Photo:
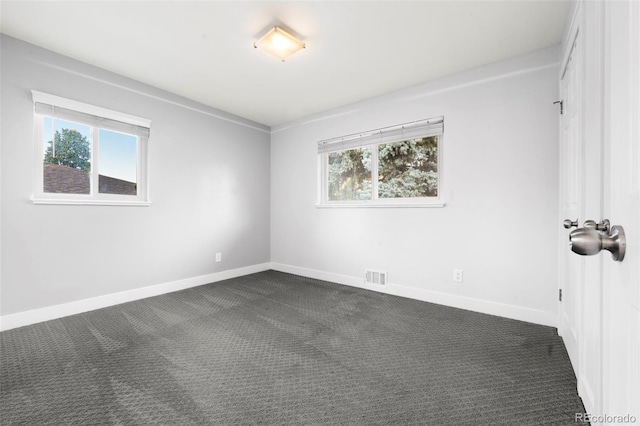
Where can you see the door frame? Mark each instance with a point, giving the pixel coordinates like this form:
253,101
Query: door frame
566,296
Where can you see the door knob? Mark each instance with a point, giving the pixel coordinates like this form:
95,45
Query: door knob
568,223
588,241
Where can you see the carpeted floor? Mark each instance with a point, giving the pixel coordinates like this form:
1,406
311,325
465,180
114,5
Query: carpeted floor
278,349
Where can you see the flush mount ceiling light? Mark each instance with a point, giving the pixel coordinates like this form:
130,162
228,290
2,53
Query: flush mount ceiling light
279,43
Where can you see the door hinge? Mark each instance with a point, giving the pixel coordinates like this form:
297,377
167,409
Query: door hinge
560,294
561,106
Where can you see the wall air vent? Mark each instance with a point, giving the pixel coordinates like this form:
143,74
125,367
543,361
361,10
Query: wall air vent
375,277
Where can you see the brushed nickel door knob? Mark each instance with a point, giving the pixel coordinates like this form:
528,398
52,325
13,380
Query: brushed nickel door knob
592,239
585,241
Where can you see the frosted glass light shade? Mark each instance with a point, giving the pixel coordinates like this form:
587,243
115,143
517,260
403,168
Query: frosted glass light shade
279,43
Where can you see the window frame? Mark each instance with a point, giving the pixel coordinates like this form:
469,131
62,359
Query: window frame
94,197
323,168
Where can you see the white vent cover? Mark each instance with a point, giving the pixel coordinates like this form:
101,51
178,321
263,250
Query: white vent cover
375,277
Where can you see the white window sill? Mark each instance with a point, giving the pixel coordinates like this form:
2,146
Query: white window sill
439,204
92,202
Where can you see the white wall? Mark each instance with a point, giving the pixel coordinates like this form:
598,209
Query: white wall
219,185
500,173
209,185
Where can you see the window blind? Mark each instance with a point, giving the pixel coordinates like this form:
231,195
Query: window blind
400,132
94,120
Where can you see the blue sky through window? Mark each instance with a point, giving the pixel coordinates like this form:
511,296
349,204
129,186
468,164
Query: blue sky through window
118,155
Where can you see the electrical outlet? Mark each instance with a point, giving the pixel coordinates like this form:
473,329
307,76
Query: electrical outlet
457,275
218,257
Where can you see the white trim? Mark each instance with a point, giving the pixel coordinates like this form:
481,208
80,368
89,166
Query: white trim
87,202
515,312
202,109
58,101
21,319
571,33
371,204
496,71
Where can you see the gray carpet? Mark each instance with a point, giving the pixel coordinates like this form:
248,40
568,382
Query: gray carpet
278,349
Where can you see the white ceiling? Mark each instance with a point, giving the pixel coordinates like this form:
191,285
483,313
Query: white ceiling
203,50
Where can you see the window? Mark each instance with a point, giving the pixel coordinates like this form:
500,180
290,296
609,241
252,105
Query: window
393,166
88,155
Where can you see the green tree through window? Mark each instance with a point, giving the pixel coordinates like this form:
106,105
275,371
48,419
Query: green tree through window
408,169
69,148
405,169
350,174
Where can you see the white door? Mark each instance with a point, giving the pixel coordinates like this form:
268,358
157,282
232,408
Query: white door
600,178
581,306
621,287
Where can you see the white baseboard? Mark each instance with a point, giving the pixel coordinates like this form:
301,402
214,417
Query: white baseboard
477,305
21,319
